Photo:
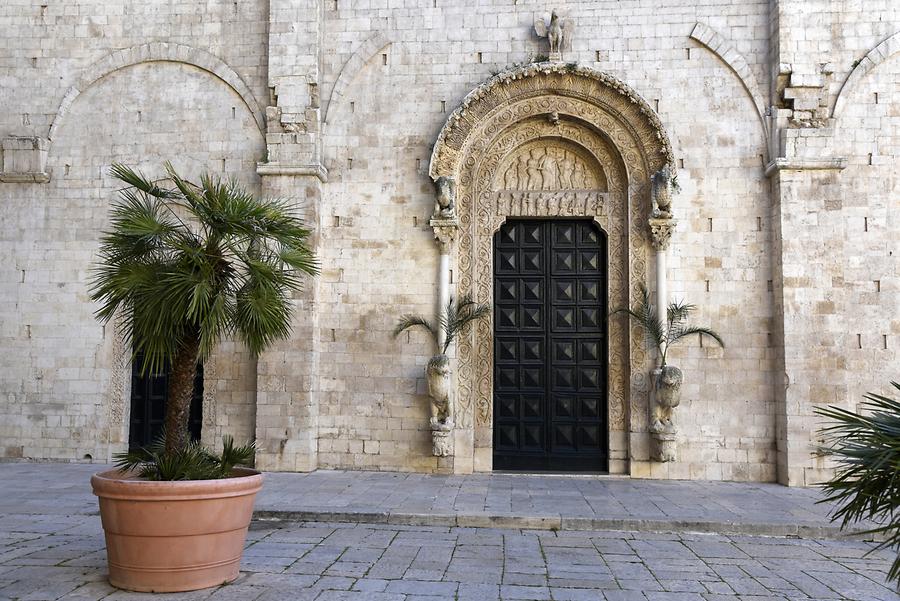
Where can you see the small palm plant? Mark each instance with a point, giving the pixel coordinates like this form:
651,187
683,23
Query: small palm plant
866,486
450,323
186,265
676,328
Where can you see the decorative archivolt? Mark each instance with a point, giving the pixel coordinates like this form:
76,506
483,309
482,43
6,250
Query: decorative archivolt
546,81
159,52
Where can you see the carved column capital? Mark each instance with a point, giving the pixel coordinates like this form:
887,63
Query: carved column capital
444,233
661,232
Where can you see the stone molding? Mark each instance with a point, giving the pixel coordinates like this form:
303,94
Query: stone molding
160,52
716,43
872,59
374,44
316,170
791,164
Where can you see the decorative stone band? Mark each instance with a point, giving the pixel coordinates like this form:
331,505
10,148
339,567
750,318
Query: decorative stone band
563,203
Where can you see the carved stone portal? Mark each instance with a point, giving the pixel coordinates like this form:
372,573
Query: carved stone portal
592,159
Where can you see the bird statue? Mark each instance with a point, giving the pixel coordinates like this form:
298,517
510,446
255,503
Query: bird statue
558,31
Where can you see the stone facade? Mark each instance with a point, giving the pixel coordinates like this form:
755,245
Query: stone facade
780,119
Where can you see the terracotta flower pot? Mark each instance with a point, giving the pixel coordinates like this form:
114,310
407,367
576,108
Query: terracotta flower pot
174,536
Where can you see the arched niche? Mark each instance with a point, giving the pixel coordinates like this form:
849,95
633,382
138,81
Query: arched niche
601,143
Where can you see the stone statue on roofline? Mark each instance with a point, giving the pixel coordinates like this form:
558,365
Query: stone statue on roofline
559,31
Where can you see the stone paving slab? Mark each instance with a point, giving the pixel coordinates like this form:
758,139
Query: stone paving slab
479,500
319,561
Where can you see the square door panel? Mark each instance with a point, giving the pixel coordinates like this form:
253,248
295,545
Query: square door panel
564,407
564,234
532,261
564,262
508,235
531,291
563,319
531,318
507,436
506,350
588,236
589,437
563,378
507,406
564,436
589,319
589,351
588,378
563,291
589,408
531,350
588,291
563,351
532,406
531,378
506,317
506,378
533,436
506,290
589,261
507,261
532,234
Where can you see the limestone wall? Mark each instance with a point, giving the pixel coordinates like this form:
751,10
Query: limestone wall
65,380
795,265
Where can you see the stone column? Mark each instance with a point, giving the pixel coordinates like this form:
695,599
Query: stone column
445,235
662,404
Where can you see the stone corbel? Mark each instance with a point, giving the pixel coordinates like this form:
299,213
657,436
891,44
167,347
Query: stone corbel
25,160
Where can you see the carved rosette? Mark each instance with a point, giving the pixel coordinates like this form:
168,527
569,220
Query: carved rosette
661,232
604,137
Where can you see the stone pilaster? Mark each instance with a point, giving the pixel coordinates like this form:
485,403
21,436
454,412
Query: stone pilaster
287,403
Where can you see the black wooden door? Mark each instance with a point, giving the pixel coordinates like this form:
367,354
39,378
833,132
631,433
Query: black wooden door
550,361
148,405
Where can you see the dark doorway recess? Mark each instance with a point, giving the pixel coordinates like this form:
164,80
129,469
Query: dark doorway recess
148,404
550,359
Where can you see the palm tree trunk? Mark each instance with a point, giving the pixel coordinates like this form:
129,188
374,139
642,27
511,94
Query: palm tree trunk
181,389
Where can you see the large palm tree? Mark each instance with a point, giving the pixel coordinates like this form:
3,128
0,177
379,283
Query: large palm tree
185,265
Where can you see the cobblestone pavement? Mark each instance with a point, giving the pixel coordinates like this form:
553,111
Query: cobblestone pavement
63,557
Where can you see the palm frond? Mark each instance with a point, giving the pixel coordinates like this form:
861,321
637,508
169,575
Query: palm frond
409,321
866,482
675,334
